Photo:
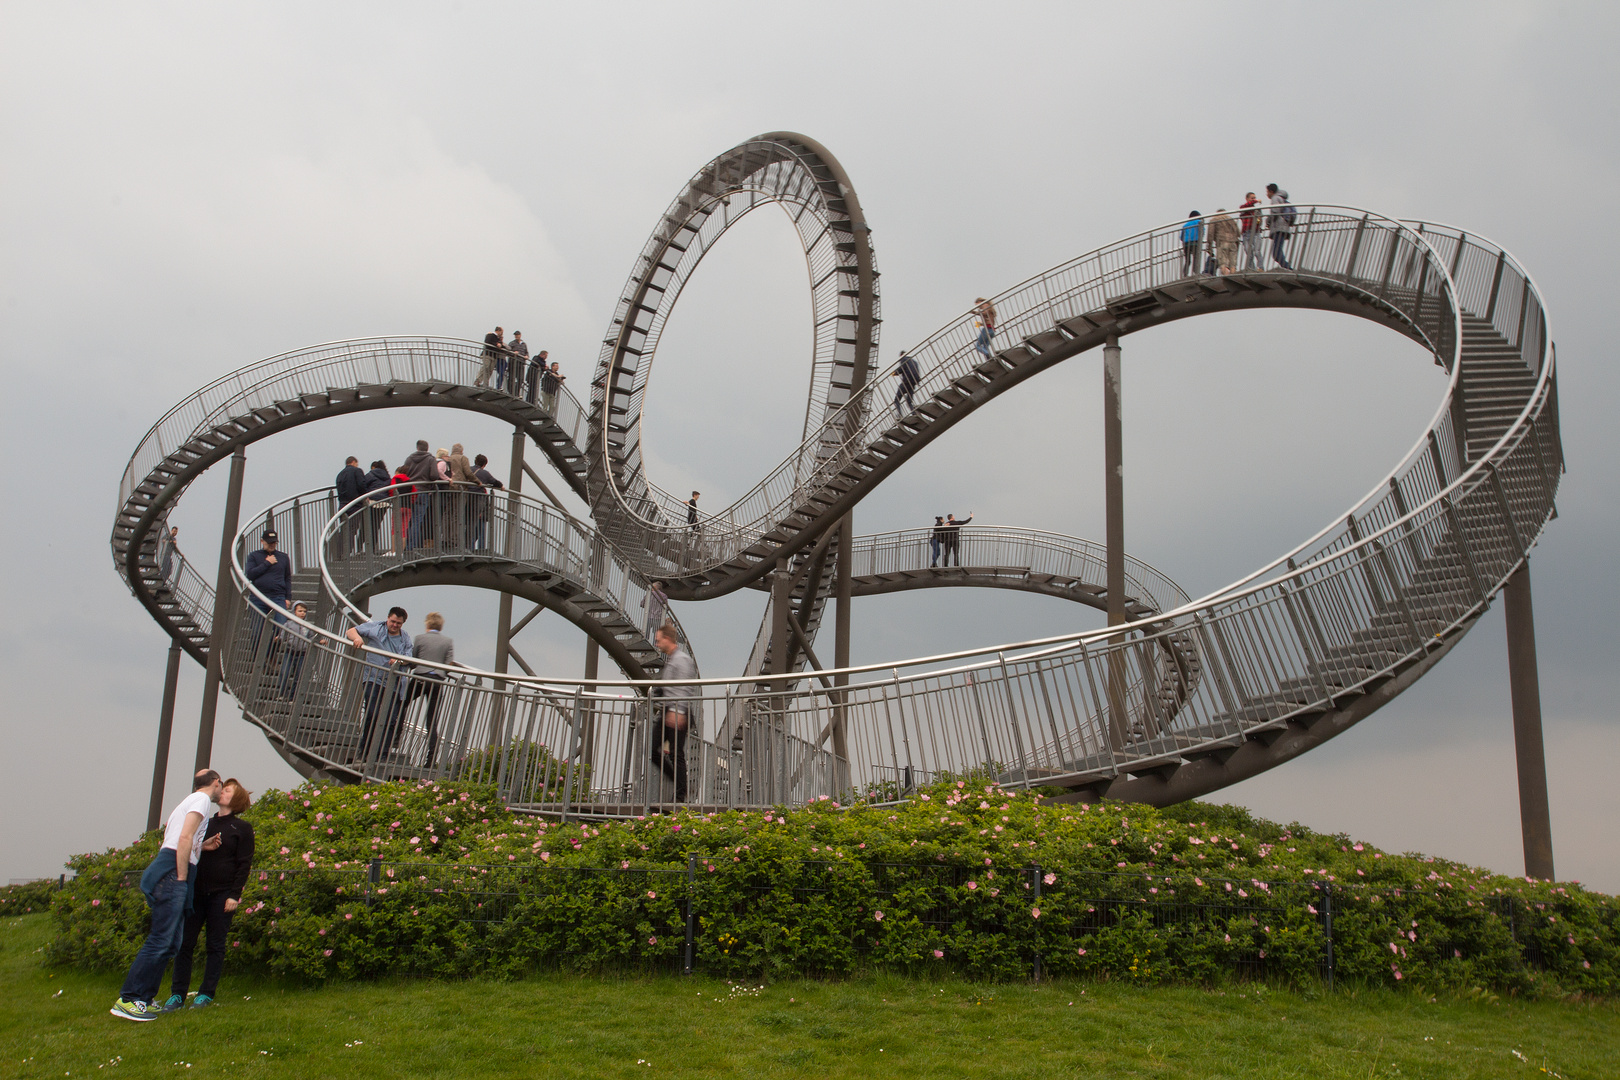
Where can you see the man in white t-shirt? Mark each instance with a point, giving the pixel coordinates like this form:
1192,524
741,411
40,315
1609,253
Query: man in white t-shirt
167,886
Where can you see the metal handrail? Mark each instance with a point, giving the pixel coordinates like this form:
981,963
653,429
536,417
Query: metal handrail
1377,597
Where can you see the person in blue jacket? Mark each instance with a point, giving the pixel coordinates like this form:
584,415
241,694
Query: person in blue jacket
909,377
1192,239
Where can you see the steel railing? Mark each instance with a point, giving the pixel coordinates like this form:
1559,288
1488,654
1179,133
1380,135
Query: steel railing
1379,593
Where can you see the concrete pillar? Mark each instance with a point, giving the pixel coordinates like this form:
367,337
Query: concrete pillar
224,612
160,765
1534,818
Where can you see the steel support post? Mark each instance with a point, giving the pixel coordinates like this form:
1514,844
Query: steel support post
1534,819
1114,488
781,611
503,624
503,617
223,594
843,585
593,657
160,766
1114,502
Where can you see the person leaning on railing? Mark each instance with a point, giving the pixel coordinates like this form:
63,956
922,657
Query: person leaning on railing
489,483
377,681
436,647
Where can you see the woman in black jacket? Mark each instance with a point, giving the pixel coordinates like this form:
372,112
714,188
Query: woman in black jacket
222,873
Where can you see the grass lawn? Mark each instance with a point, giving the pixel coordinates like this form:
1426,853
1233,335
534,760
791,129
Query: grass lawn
54,1024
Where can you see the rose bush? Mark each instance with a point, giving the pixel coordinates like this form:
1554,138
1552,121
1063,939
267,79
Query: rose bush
440,879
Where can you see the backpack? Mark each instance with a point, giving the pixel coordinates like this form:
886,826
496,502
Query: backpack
1289,214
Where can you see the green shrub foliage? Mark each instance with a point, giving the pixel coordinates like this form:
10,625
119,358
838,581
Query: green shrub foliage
966,878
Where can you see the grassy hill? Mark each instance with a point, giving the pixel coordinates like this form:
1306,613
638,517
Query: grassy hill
54,1022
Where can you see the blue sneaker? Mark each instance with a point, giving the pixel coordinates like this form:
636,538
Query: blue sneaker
177,1001
201,1001
133,1010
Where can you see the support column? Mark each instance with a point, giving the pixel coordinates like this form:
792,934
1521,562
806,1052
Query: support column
160,766
224,597
1114,503
503,624
593,657
781,607
1114,488
842,585
1534,819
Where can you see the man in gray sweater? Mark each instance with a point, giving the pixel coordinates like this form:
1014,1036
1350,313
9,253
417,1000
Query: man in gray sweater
437,647
673,712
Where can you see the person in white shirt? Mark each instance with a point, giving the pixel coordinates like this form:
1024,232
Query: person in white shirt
167,886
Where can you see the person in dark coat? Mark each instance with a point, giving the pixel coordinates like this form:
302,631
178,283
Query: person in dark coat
270,571
222,874
375,480
481,502
936,540
423,470
350,484
953,537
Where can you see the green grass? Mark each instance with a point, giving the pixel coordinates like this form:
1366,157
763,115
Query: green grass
54,1022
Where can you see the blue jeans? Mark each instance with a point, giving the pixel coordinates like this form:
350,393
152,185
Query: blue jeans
1277,241
168,904
904,392
933,550
983,342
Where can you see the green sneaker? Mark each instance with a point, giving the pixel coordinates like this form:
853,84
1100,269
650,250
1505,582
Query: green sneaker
175,1002
133,1010
201,1001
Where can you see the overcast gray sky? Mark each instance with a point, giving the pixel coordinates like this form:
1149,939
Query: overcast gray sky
187,188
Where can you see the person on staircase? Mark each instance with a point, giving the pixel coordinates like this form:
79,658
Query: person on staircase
423,473
488,482
168,544
909,375
1224,236
936,541
375,480
403,492
270,571
1280,221
1253,259
551,380
985,312
494,351
434,646
295,641
1192,239
675,711
953,537
222,873
466,484
509,375
380,684
350,484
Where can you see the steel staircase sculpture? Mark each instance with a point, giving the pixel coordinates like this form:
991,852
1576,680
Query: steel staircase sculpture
1187,697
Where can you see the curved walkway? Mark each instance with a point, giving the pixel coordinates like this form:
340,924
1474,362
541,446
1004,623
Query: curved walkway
1293,653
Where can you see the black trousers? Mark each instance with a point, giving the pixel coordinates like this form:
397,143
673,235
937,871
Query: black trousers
431,688
382,698
669,755
207,908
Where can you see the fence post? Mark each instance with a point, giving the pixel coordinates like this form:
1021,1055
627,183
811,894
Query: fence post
373,876
61,882
1036,870
691,876
1327,926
